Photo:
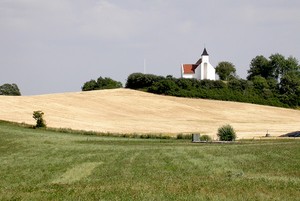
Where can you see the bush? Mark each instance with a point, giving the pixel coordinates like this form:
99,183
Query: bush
205,138
101,83
166,86
183,136
38,116
226,133
141,81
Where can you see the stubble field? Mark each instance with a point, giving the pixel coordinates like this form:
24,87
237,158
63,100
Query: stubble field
129,111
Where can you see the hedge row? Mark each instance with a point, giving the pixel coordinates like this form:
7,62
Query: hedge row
234,90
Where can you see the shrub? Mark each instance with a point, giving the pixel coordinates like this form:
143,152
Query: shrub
38,116
226,133
184,136
166,86
101,83
205,138
141,81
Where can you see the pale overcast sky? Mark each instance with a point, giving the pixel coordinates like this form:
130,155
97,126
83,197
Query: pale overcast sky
54,46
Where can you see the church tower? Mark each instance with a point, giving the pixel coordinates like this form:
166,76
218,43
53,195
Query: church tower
204,65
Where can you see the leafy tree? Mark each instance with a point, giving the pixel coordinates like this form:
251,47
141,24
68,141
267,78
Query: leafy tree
225,69
226,133
278,62
292,65
38,116
290,89
90,85
10,90
259,66
282,65
101,83
108,83
273,68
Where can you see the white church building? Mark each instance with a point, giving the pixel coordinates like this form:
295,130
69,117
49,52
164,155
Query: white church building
201,70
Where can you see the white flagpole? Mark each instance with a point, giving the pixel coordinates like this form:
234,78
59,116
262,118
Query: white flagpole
144,66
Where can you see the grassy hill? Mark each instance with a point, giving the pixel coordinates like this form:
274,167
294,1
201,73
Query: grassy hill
42,165
130,111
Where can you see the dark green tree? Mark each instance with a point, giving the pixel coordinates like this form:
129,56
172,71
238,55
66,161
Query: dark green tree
10,90
282,65
292,65
259,66
108,83
101,83
278,62
225,69
90,85
290,89
273,68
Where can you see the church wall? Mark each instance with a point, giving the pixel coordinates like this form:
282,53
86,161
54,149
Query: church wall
190,76
211,72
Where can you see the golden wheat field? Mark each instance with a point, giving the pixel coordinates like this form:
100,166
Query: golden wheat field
130,111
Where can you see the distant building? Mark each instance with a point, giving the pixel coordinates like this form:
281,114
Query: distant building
201,70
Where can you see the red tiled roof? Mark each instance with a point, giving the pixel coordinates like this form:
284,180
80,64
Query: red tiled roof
189,68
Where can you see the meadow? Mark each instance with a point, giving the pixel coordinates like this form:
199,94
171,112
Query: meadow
37,164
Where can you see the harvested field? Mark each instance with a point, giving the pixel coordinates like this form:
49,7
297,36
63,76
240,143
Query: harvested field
130,111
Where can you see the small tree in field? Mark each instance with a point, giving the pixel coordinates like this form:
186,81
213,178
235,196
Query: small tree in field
38,116
226,133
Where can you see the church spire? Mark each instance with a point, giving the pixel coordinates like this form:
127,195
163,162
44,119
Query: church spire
204,52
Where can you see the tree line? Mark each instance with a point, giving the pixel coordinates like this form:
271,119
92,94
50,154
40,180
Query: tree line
271,81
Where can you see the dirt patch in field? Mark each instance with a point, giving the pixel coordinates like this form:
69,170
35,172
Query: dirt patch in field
76,173
130,111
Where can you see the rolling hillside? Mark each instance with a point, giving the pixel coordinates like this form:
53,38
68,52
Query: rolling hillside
129,111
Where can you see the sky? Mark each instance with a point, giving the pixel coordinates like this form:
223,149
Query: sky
55,46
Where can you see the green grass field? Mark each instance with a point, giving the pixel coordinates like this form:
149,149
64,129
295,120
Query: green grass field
45,165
